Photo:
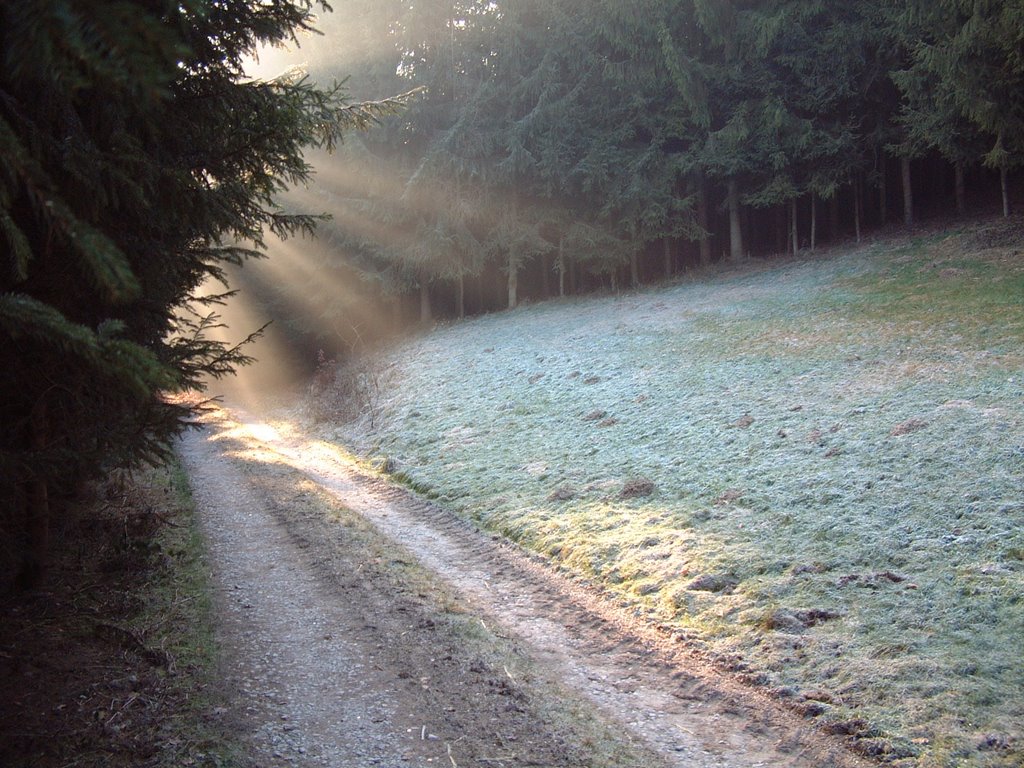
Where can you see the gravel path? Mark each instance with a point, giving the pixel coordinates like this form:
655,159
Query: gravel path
311,694
319,669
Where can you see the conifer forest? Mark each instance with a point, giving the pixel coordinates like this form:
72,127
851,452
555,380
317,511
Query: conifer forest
561,147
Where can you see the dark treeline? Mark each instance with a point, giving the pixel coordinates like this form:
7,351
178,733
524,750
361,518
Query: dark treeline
571,145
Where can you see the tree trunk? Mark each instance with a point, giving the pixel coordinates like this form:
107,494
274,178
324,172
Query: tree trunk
1005,187
561,268
780,225
513,282
961,189
615,282
735,227
908,192
37,519
814,223
545,275
883,199
634,270
702,220
795,234
397,315
856,207
461,297
572,278
667,245
833,217
425,314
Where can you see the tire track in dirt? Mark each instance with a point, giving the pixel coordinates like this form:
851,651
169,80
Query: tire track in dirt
274,612
636,675
338,651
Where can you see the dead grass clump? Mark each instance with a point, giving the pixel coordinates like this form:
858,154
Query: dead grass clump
794,622
595,415
871,580
908,426
729,495
713,582
348,393
562,493
636,487
781,620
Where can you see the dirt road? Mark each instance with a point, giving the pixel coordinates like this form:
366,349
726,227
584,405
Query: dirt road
363,626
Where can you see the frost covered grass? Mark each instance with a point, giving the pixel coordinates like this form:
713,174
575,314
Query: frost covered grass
812,469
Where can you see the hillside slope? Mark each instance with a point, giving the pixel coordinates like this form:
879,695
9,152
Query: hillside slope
812,469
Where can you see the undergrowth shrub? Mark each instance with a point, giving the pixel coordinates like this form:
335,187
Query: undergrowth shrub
345,392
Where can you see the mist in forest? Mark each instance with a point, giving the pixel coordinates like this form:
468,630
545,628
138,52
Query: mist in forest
562,148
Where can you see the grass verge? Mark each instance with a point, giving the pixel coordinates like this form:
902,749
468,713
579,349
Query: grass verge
112,661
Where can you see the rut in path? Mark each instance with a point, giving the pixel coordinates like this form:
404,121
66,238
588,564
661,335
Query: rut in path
635,675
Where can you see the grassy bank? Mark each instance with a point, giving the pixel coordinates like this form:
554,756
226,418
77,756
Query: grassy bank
813,469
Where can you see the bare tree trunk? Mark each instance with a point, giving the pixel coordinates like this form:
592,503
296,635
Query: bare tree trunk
814,223
615,281
780,225
545,274
561,267
513,282
425,313
572,278
856,207
37,519
461,297
667,245
961,189
883,199
1005,187
634,270
735,226
702,220
833,217
908,192
397,316
795,236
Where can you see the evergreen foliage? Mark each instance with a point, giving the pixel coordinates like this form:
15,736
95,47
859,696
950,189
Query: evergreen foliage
138,162
588,139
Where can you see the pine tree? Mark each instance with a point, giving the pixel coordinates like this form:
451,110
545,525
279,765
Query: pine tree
803,140
964,88
727,154
136,156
